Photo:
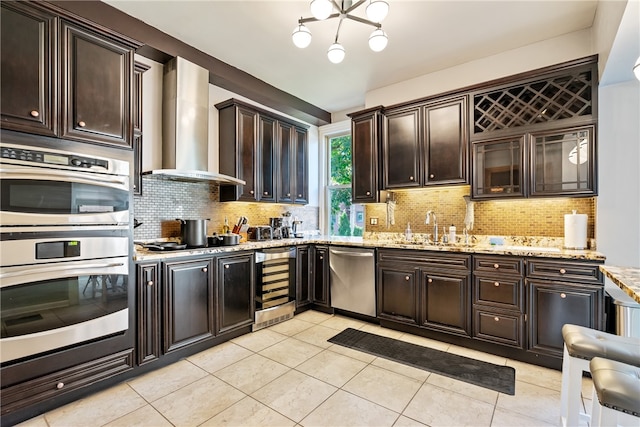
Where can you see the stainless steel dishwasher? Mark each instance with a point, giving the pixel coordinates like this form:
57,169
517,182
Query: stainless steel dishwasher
353,280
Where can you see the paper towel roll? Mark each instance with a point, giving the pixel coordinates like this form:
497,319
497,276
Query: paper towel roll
575,231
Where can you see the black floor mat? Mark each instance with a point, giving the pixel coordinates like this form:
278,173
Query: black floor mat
488,375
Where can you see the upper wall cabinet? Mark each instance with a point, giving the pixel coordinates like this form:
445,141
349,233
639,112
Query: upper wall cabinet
266,151
401,148
365,160
93,102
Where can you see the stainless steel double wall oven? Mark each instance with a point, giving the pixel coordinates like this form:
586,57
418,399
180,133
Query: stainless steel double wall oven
65,249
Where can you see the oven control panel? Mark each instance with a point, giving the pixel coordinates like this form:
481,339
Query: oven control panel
51,158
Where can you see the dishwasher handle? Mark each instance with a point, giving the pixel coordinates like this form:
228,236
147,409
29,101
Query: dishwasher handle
352,254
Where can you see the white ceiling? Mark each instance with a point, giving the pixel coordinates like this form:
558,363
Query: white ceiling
424,36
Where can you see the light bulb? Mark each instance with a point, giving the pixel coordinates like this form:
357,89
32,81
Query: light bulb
377,10
301,36
636,69
378,40
321,9
336,53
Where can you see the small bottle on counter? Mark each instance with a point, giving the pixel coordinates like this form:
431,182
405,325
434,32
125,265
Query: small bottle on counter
452,234
407,233
445,236
225,226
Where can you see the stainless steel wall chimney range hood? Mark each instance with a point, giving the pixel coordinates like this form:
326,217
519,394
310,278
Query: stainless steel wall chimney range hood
185,125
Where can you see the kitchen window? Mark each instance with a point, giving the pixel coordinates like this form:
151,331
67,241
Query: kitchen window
344,218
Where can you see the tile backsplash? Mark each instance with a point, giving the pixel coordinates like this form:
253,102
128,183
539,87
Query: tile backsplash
162,201
521,217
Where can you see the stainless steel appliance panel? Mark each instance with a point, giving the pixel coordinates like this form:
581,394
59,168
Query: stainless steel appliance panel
352,280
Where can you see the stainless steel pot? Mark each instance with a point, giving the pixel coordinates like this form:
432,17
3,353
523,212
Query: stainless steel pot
229,239
194,232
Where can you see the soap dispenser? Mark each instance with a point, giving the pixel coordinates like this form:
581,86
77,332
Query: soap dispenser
407,233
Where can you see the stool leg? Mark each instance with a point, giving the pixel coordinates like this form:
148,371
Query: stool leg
571,391
596,410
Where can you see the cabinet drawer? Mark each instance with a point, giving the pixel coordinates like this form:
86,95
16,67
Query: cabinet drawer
49,386
425,258
499,327
500,264
566,271
499,291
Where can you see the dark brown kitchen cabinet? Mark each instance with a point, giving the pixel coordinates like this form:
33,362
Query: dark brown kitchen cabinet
498,168
553,304
238,132
28,92
320,278
303,277
148,312
401,148
300,185
286,161
188,302
267,151
445,301
498,300
139,70
235,285
267,159
397,293
563,162
365,142
445,141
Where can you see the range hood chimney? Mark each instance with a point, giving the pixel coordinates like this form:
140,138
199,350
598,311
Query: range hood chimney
185,125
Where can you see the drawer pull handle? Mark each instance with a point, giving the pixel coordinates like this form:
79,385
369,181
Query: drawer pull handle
562,271
251,192
411,178
81,124
496,284
430,280
150,283
266,193
406,278
432,176
34,113
496,265
563,295
226,266
497,319
299,195
59,385
204,269
368,193
288,194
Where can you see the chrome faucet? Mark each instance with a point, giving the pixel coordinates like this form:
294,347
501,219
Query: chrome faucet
427,221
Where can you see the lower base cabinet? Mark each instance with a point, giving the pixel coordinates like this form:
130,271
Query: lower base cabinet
235,289
320,275
148,312
303,277
188,303
445,300
397,293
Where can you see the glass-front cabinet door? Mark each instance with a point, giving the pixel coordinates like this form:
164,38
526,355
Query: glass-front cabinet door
563,162
498,168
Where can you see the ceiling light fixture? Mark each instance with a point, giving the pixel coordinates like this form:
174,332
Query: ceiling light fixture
376,11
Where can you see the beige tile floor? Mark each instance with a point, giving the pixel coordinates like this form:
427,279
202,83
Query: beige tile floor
289,375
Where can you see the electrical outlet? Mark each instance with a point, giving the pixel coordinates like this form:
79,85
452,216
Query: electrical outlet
373,221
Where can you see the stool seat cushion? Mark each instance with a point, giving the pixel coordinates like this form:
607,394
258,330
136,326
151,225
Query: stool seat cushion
587,343
617,385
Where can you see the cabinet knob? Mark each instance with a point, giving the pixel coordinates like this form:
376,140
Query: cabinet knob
226,266
321,257
59,385
81,124
266,193
411,178
496,284
431,176
368,193
251,192
299,195
288,194
150,283
204,269
430,280
562,271
563,295
135,186
497,319
496,265
34,113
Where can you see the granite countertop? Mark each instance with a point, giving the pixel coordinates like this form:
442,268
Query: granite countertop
142,254
626,278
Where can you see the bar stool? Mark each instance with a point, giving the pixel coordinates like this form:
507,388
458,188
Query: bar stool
616,393
580,346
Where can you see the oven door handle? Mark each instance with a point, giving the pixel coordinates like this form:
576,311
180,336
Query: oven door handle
77,177
57,268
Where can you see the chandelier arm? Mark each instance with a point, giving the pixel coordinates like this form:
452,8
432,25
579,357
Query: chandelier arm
354,6
337,6
364,21
338,30
312,19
